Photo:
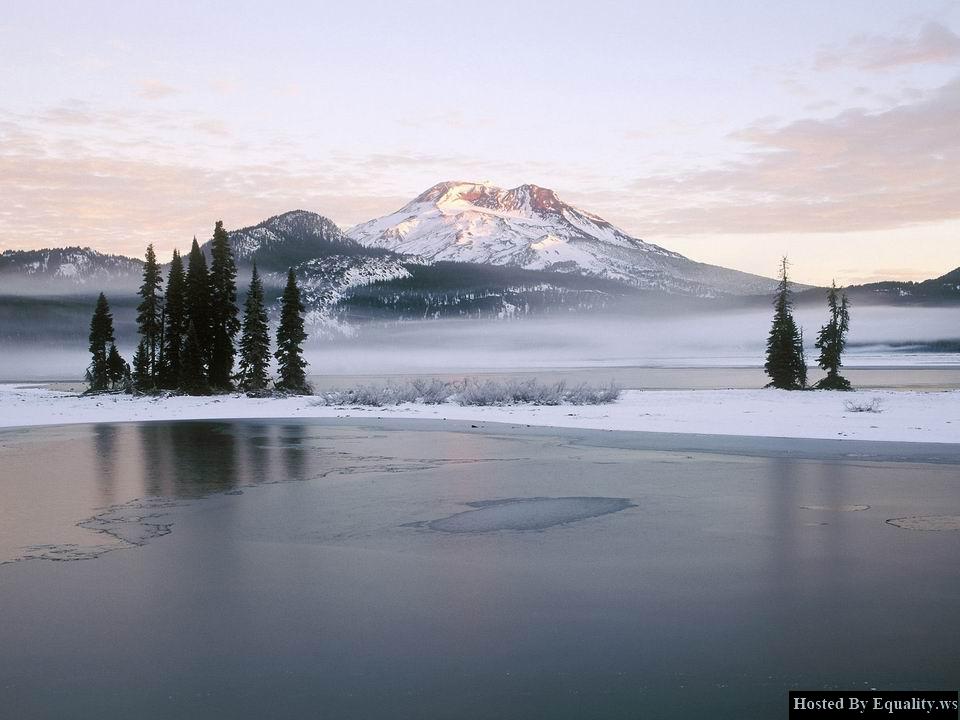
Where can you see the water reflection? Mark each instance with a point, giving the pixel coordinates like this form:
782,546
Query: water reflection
257,453
187,459
294,455
105,451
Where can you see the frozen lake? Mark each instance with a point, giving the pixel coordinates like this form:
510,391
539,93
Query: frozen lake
403,569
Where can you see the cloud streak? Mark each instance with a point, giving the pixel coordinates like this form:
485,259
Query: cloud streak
156,90
934,43
855,171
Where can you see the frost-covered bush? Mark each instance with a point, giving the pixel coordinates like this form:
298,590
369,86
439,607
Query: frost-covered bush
532,392
472,392
859,406
509,392
431,392
584,394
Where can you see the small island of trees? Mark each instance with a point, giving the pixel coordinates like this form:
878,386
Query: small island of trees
188,331
786,363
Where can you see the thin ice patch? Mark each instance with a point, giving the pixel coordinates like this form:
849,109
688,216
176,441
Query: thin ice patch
527,513
131,524
927,522
836,508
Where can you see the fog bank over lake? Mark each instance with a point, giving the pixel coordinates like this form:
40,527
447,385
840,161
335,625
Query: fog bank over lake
731,338
879,336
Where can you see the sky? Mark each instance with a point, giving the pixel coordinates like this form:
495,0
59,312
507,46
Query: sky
734,133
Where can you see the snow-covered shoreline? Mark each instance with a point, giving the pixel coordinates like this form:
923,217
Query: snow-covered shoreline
906,416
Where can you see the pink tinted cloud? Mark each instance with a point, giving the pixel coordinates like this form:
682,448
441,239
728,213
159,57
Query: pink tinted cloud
934,43
156,90
854,171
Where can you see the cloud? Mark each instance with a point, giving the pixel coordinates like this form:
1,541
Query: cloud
854,171
820,105
934,44
120,205
117,190
156,90
212,127
452,119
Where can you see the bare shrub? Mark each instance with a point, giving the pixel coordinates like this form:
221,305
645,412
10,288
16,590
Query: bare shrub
860,406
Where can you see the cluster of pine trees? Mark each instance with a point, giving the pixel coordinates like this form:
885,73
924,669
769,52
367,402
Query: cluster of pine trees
786,363
188,331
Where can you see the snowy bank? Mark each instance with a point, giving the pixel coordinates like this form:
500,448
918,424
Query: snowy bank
904,416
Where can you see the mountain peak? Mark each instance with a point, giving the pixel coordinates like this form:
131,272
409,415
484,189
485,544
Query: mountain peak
288,239
450,191
454,196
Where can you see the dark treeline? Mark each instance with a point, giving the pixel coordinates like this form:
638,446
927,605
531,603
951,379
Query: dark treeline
786,363
188,331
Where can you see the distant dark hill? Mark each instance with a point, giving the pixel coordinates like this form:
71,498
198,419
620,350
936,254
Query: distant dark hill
943,290
292,238
66,271
459,289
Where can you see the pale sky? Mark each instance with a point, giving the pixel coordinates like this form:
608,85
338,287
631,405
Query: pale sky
731,132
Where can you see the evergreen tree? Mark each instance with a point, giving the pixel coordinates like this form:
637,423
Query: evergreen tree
117,369
142,382
193,375
149,320
290,337
255,339
785,363
197,305
801,361
101,333
174,304
832,339
223,309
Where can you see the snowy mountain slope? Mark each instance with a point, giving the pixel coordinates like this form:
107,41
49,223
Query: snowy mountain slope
530,227
324,282
70,270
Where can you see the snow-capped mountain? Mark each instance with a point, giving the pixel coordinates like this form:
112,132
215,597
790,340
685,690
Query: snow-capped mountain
530,227
66,270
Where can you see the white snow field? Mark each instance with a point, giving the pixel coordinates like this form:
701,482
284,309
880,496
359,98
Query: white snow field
904,416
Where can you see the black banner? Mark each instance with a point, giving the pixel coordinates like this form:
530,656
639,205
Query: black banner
890,704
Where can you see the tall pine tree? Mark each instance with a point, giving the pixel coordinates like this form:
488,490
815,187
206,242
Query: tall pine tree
117,369
785,363
832,339
174,304
224,322
255,339
149,320
197,305
290,337
193,372
142,382
101,334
